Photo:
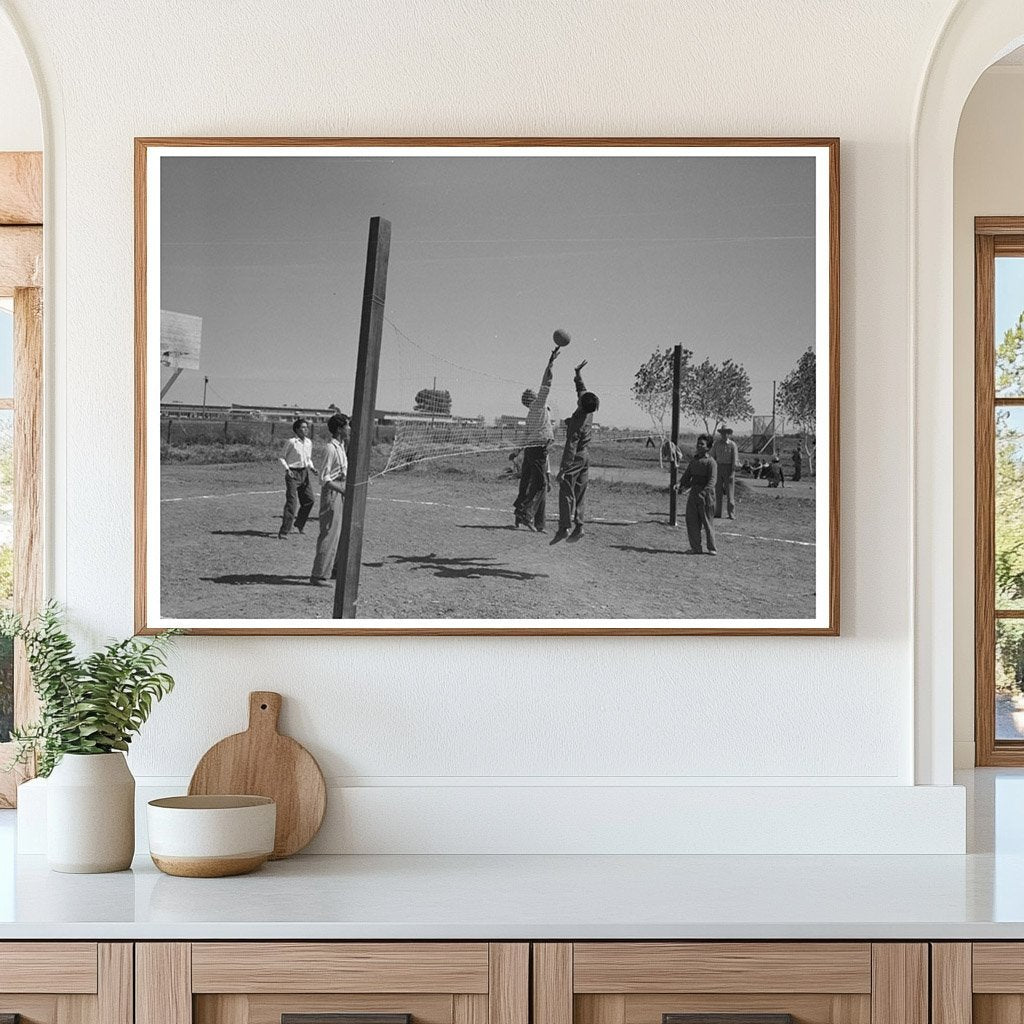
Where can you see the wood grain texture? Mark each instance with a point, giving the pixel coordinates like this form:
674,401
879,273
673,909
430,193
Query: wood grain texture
998,1009
28,483
31,1009
346,1018
984,502
466,1009
604,1009
899,991
304,967
805,1008
951,983
65,967
268,1009
21,188
21,258
552,983
76,1009
508,994
115,996
225,1009
163,983
262,762
998,967
142,145
635,967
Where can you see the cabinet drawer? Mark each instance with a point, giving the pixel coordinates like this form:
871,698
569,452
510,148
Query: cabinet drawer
340,967
730,983
333,983
48,967
66,982
635,967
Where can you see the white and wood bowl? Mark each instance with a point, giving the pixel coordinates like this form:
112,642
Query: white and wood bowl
211,836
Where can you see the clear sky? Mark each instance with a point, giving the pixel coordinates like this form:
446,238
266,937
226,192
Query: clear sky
488,256
6,354
1009,293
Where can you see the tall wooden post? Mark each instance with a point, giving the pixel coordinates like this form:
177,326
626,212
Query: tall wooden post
350,546
677,373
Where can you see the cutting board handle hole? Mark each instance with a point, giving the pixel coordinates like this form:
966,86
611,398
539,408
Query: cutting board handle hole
263,707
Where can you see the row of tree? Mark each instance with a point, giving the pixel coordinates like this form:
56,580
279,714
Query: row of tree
717,393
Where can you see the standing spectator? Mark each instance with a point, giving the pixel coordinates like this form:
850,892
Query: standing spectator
726,454
298,464
700,476
333,473
798,464
776,478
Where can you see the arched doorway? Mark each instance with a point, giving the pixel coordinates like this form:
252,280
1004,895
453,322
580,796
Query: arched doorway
976,34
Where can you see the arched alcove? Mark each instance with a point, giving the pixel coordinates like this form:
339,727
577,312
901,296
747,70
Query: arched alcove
976,34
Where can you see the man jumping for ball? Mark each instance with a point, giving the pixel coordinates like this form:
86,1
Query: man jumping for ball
531,502
574,470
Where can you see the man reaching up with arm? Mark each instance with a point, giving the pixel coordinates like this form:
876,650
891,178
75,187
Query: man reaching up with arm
574,470
530,505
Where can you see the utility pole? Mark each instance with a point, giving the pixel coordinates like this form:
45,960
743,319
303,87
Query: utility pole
774,383
371,326
677,373
206,380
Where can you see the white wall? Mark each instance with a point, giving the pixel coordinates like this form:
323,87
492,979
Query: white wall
987,181
21,127
430,716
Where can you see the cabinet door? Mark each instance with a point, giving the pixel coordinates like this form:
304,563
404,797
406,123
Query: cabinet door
980,982
332,983
730,983
65,983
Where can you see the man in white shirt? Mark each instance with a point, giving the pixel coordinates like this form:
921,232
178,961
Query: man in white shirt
333,473
297,460
530,504
726,454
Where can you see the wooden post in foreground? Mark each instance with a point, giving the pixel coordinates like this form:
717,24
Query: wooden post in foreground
677,373
350,546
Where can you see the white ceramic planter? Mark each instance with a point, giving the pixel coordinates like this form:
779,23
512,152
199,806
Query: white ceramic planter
90,814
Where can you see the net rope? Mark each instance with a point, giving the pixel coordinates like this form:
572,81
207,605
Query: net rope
434,408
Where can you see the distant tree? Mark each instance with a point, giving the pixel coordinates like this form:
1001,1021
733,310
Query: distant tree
1010,362
796,398
717,394
652,385
437,402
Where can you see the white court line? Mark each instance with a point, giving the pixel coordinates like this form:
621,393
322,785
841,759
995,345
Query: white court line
487,508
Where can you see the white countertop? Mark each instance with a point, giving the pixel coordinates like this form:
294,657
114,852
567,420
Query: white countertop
977,896
516,897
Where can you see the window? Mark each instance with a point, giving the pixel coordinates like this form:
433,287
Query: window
999,490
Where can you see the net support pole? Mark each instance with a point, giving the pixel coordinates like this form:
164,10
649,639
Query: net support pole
371,325
677,373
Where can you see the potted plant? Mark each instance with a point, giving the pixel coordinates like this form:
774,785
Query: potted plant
89,710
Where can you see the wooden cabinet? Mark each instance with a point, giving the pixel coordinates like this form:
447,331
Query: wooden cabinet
309,982
66,982
978,983
752,982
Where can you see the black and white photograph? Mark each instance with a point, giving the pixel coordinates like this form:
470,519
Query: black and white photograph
544,387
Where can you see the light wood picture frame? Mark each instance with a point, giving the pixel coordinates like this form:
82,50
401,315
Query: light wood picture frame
419,287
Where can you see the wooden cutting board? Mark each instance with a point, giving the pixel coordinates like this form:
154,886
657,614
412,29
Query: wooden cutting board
262,762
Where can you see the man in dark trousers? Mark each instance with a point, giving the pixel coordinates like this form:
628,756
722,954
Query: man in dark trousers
530,505
726,454
798,464
574,470
297,460
700,476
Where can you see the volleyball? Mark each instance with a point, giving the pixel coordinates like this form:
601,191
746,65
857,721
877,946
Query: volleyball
561,338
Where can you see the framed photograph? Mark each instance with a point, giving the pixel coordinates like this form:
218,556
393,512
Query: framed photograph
494,386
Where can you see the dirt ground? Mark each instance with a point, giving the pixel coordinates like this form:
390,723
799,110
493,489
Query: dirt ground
439,543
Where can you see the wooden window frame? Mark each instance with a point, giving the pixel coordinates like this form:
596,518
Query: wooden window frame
21,278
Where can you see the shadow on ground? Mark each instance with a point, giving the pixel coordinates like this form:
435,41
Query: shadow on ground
466,568
248,579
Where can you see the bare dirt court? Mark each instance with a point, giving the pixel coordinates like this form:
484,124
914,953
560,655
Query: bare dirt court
439,544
